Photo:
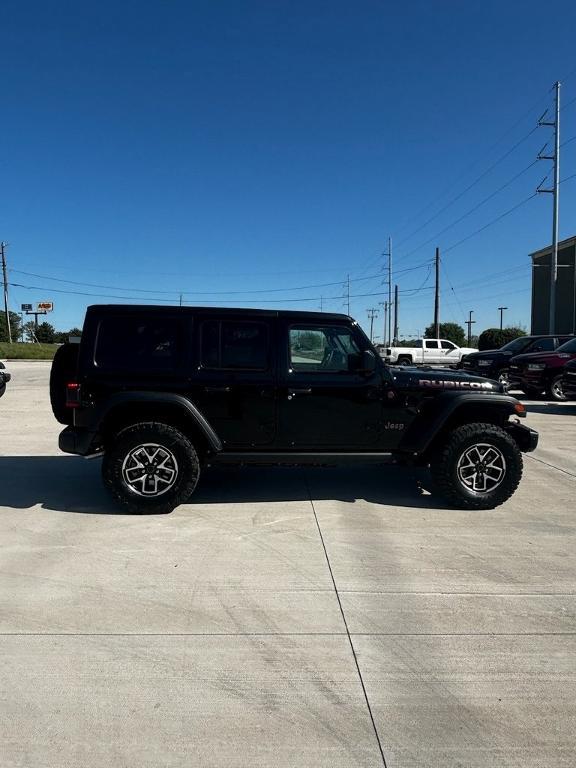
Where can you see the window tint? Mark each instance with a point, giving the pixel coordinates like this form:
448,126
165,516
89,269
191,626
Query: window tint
431,344
324,349
234,345
541,345
138,343
447,345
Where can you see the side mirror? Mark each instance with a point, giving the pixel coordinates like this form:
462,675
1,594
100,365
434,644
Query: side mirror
364,363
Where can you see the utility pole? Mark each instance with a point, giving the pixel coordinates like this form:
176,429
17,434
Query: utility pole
470,323
395,314
321,303
372,313
180,299
384,304
389,289
501,310
3,252
555,191
437,297
348,293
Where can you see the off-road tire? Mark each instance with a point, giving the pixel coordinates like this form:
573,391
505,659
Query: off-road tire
169,440
553,392
64,369
444,466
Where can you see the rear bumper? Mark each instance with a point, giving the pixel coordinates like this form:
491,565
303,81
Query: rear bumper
525,437
76,440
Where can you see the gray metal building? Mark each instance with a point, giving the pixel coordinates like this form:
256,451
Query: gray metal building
565,288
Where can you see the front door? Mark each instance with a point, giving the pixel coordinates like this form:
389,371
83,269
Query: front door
235,381
324,399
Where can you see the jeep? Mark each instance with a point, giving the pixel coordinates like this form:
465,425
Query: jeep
162,392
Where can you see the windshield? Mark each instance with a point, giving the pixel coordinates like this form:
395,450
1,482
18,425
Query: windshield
517,344
570,346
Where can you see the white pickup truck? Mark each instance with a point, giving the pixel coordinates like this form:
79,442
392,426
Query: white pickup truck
426,352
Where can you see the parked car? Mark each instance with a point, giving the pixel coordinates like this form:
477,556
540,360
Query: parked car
4,378
426,352
569,380
494,363
539,372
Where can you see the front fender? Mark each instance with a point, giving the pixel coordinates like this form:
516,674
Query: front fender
439,411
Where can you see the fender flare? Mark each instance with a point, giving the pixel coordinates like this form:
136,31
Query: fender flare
164,398
425,427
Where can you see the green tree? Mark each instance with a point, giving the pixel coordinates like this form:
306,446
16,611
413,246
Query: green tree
14,326
45,333
494,338
449,331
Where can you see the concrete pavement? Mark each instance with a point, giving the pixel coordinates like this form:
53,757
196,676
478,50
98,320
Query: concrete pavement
284,617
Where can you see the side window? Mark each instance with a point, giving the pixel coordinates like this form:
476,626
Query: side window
542,345
431,344
234,345
138,343
447,345
323,349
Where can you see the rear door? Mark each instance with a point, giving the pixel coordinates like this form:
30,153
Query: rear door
431,351
324,401
234,383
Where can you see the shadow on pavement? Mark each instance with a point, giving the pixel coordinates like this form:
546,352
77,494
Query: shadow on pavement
70,484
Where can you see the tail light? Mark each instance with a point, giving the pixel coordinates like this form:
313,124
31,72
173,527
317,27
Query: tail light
72,395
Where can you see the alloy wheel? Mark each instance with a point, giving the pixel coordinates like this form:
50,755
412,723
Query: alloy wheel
481,468
150,469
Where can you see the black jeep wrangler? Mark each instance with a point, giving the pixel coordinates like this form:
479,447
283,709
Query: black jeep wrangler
162,392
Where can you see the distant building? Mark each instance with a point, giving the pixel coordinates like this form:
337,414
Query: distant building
565,288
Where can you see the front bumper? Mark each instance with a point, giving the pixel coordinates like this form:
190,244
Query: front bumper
525,437
523,378
76,440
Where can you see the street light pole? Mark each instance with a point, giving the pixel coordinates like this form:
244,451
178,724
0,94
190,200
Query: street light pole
501,310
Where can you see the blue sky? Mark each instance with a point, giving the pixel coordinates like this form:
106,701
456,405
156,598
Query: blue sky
211,147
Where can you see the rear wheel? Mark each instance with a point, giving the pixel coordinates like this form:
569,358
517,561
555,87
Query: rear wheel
504,377
555,390
404,360
151,468
478,466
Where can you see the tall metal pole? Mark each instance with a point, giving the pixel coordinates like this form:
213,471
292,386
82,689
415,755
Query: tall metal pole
437,297
501,310
372,313
389,289
348,293
470,323
556,203
554,269
2,250
395,314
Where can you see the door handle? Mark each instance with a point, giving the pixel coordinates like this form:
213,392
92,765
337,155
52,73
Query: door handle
217,389
304,391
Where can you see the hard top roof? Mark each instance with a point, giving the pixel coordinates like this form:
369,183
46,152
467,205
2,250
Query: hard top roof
107,309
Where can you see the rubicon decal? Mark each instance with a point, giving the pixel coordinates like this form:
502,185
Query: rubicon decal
441,384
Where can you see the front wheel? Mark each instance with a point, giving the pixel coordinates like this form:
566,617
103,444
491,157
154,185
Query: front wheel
556,390
151,468
479,466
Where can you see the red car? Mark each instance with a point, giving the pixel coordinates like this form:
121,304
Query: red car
542,371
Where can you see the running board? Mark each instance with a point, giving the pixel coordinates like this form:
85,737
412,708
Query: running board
288,458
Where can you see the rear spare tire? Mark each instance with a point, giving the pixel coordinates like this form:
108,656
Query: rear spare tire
64,369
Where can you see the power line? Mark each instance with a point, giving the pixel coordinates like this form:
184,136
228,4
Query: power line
470,186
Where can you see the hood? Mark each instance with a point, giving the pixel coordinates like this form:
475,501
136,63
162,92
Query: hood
530,357
434,379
